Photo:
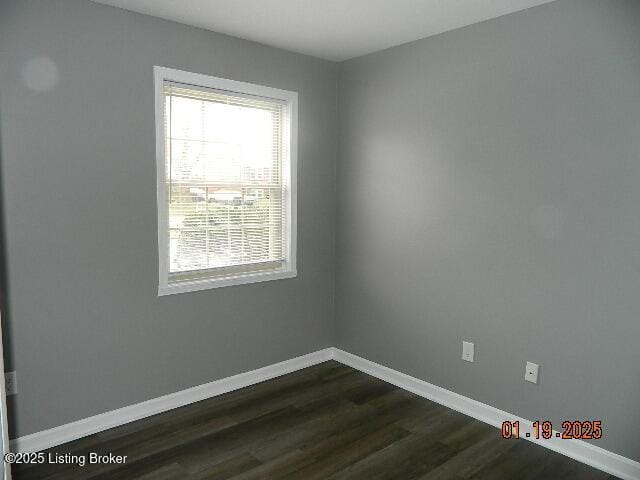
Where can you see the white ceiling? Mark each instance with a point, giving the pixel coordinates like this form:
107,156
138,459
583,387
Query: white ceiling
331,29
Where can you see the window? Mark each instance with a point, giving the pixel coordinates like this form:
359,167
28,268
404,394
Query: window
226,161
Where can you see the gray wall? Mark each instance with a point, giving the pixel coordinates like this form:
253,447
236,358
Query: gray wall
87,331
489,191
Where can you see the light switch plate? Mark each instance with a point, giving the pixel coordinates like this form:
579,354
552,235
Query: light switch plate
531,372
468,351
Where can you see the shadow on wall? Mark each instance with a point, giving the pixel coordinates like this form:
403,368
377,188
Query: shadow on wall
4,297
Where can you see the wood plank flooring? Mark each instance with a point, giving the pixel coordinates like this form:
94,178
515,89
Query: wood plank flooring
324,422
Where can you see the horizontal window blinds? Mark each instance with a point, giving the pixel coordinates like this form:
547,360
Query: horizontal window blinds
226,197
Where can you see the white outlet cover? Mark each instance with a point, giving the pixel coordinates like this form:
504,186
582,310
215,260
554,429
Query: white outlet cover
531,372
468,351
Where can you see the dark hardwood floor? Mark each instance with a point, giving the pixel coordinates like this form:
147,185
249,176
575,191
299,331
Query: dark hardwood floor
324,422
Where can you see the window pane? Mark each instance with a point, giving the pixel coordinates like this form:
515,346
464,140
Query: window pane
224,180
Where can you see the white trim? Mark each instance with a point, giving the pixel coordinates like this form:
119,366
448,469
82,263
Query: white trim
88,426
200,80
161,192
197,285
4,426
583,452
289,167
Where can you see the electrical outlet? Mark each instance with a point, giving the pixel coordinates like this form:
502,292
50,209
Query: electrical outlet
468,351
11,383
531,372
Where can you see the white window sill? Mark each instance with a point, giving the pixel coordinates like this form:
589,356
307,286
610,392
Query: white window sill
196,285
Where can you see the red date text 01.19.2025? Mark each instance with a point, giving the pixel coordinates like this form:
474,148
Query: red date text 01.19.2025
576,430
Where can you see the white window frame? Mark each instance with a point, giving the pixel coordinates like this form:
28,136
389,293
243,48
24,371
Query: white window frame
289,178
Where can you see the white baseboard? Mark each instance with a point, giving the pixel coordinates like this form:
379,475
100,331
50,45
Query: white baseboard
88,426
584,452
587,453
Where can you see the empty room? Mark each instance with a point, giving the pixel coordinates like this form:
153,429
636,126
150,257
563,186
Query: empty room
341,239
